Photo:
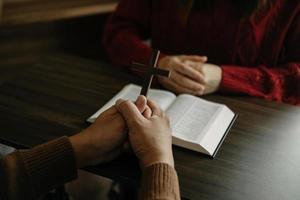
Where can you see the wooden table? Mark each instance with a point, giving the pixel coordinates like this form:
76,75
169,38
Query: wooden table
260,158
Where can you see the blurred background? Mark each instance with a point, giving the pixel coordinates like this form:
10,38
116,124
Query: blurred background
32,28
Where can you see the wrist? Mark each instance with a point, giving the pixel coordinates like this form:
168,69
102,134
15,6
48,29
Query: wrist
213,77
218,78
84,151
166,158
78,150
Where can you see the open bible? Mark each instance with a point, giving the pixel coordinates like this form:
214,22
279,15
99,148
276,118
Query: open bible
197,124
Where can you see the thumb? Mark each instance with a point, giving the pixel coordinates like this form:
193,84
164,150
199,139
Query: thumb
128,110
141,103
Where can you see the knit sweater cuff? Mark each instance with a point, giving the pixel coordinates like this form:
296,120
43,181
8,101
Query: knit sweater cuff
236,79
160,181
49,165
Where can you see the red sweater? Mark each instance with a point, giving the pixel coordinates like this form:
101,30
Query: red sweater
259,56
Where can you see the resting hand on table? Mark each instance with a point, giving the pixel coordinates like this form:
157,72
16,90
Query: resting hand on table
150,136
104,140
190,74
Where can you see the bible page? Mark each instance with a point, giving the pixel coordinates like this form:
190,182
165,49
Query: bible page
191,117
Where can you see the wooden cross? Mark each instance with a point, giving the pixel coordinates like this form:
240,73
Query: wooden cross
152,71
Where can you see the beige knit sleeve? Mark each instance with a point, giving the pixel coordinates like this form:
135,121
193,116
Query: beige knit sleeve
159,182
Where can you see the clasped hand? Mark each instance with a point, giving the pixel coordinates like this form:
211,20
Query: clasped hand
142,125
190,74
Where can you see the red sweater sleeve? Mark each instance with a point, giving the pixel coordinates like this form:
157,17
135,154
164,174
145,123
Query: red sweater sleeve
280,83
125,32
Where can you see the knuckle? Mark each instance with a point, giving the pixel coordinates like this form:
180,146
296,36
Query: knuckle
125,104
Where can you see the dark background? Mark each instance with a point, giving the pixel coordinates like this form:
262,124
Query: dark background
30,29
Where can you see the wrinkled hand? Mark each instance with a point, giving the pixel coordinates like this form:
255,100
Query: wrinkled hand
104,139
185,78
150,137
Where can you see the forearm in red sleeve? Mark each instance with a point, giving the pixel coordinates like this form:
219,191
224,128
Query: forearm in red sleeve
125,32
277,84
281,83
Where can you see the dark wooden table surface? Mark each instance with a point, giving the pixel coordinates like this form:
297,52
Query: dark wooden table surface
260,158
